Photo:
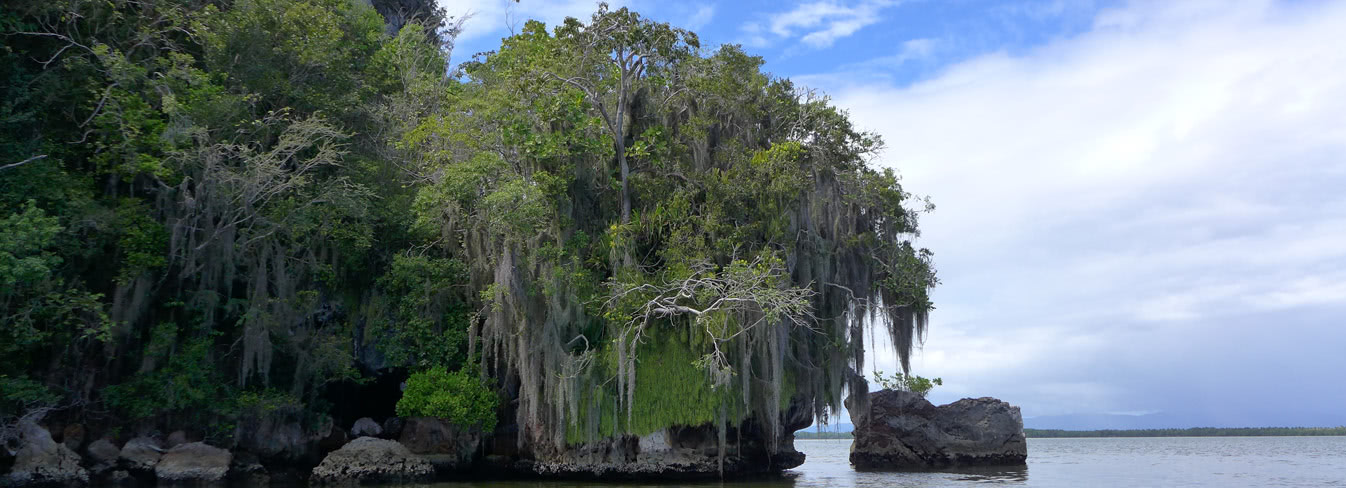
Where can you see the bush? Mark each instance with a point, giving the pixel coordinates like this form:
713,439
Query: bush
912,383
459,397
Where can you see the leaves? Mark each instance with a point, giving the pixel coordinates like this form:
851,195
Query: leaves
919,385
458,397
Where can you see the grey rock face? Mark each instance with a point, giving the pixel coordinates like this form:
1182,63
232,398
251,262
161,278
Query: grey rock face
141,453
103,451
283,435
371,460
73,436
672,453
901,430
392,428
175,439
103,454
430,435
366,427
193,462
42,461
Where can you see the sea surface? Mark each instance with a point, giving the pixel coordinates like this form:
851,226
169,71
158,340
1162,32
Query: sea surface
1109,462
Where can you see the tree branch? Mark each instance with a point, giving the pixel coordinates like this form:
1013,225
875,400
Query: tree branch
26,161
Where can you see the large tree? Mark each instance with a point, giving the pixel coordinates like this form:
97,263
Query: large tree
724,268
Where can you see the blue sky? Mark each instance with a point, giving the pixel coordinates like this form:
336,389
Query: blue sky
1140,205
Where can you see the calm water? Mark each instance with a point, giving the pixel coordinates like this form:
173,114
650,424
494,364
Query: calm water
1131,462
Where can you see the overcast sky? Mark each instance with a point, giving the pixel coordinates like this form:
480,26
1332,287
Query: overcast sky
1141,206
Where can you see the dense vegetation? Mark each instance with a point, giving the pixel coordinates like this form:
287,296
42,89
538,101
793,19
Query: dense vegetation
1192,432
205,205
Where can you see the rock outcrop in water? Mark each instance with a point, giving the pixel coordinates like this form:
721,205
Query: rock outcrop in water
424,449
193,462
372,460
43,461
677,452
903,431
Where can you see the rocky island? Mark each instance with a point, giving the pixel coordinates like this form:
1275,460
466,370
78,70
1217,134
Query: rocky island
291,241
901,430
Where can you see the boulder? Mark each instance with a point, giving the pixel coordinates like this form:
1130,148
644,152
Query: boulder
73,436
902,431
193,462
372,460
366,427
103,451
335,439
141,453
40,460
117,477
176,439
451,446
392,427
103,454
283,435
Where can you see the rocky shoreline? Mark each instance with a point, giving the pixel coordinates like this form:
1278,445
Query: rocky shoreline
895,430
398,450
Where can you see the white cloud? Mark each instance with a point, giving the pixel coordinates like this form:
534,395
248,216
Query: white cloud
1136,187
700,17
817,24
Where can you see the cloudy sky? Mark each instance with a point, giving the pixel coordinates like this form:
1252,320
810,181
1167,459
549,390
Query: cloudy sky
1141,206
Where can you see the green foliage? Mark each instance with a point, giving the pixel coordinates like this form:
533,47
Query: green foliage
36,308
427,324
672,390
143,240
21,393
25,241
236,200
304,54
460,397
919,385
188,384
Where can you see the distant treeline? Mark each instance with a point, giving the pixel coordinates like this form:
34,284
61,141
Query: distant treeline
1192,432
822,435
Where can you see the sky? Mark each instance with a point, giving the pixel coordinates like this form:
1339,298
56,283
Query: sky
1140,205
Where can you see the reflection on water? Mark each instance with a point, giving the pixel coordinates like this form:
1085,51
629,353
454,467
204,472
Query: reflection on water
992,474
1117,462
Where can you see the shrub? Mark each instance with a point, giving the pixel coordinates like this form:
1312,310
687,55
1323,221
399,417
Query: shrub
912,383
460,397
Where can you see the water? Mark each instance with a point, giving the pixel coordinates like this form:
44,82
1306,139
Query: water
1117,462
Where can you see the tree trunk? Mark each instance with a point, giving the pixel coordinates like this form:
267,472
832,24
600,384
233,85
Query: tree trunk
626,170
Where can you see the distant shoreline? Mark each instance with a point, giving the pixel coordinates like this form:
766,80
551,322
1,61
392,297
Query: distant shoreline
1191,432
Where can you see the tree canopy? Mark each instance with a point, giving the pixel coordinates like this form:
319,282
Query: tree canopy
618,229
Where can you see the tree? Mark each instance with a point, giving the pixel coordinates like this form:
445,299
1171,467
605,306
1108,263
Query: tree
617,54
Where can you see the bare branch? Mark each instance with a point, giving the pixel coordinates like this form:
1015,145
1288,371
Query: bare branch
26,161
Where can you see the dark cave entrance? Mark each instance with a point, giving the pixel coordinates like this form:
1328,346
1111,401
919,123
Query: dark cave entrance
375,398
